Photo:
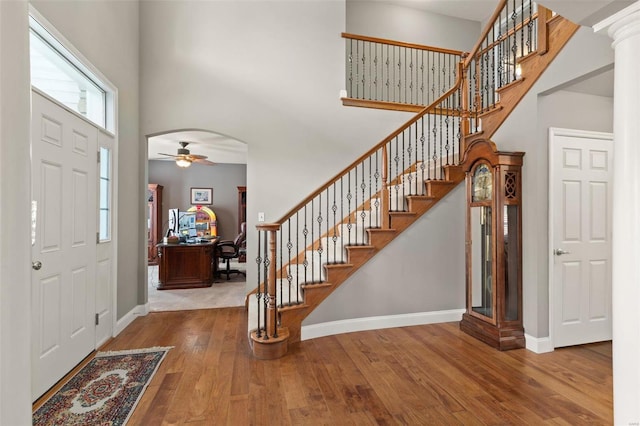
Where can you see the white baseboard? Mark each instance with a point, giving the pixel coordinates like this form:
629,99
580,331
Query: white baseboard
538,345
137,311
376,323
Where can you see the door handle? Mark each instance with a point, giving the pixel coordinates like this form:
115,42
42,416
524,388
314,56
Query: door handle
36,265
560,252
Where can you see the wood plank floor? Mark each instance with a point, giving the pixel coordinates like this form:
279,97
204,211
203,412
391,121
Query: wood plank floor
422,375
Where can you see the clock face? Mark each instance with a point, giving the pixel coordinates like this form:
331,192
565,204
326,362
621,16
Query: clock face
482,183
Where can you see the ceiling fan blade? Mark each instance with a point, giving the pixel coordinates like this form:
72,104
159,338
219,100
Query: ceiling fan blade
169,155
194,157
203,161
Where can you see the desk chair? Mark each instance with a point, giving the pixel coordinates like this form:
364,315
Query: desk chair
229,249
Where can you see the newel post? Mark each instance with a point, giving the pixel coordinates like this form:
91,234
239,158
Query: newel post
273,342
271,328
384,202
544,15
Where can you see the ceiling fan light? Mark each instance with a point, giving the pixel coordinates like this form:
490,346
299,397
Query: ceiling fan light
183,162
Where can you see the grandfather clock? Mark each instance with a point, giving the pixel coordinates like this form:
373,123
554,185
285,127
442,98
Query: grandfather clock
493,246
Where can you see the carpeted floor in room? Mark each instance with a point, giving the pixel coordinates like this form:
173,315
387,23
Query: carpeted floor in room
222,294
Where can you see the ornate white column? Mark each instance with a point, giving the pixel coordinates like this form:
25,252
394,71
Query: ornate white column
624,29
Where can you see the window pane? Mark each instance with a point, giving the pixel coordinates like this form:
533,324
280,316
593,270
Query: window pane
105,194
105,231
58,78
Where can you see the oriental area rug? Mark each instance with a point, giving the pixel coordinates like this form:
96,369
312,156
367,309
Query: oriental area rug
103,392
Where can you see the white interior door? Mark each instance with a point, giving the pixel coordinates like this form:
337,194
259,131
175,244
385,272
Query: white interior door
64,183
580,236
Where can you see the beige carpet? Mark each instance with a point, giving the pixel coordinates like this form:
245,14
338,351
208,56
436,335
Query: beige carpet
222,294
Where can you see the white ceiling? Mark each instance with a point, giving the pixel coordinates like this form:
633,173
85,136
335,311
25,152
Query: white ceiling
218,148
474,10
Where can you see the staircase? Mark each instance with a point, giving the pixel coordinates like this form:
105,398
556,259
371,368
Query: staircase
333,232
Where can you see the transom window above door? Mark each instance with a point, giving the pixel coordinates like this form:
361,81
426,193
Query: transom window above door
54,72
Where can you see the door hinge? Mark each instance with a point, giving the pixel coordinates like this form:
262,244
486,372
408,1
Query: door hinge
98,152
98,237
97,319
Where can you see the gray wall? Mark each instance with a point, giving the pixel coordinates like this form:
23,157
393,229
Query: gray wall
527,130
106,33
269,74
223,178
421,271
15,225
401,23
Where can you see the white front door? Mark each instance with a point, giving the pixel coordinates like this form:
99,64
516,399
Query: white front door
64,186
580,206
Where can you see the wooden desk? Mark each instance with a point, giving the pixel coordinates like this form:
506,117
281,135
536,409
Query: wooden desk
187,265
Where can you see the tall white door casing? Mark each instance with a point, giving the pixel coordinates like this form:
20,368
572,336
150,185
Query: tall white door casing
580,210
64,175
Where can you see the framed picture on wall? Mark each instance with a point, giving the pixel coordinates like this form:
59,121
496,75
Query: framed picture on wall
201,196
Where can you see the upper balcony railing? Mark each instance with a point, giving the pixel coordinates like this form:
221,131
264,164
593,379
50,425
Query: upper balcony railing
386,71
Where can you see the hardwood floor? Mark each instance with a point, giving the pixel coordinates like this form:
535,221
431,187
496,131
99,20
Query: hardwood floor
422,375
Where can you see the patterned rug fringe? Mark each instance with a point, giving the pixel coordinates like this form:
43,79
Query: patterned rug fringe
134,351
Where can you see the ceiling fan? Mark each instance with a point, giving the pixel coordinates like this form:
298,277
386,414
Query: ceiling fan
184,158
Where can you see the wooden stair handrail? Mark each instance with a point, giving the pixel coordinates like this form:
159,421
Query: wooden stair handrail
402,44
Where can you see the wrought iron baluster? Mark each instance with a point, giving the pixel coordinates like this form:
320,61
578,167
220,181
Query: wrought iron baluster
440,142
444,74
405,76
357,61
363,79
355,205
334,238
259,290
279,276
420,93
297,256
349,197
429,166
350,62
446,121
399,74
396,160
320,248
493,66
375,68
370,195
521,27
415,176
514,47
327,246
265,297
402,175
387,83
305,233
413,83
422,153
370,73
507,52
530,28
377,193
288,271
363,215
341,219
